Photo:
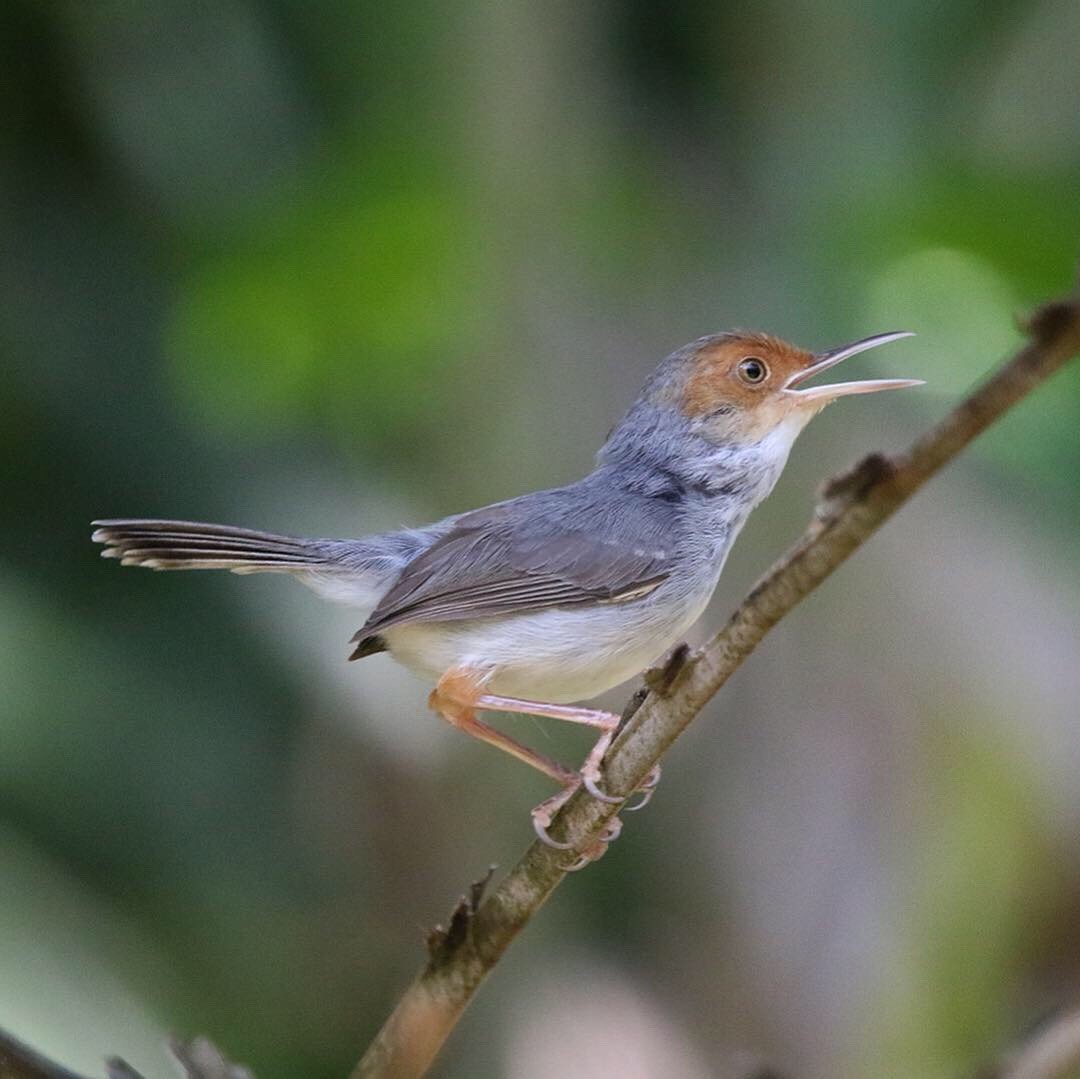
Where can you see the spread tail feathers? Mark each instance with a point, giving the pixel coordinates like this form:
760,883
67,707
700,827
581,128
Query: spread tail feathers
193,545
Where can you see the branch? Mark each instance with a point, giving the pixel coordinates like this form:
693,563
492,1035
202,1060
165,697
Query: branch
198,1059
1050,1051
19,1061
852,507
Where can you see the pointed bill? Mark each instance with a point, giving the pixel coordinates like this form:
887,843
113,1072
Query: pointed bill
844,389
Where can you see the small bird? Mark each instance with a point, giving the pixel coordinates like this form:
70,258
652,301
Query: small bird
543,601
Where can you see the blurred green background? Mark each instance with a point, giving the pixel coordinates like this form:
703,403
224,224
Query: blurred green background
330,268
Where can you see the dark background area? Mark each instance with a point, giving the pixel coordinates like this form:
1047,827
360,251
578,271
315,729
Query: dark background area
331,268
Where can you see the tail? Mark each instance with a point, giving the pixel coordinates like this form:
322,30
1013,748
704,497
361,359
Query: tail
192,545
354,572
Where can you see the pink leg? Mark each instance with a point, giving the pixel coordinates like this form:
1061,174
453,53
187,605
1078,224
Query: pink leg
460,711
608,722
458,696
591,717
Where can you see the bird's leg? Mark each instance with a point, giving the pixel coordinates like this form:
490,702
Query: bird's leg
459,695
590,717
456,697
608,723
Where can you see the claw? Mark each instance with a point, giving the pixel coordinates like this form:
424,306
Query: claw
591,786
590,775
611,832
597,849
646,790
540,827
542,814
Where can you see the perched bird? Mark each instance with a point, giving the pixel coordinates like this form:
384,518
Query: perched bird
549,599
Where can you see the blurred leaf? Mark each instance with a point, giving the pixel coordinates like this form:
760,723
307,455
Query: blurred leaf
1026,227
347,297
959,305
957,257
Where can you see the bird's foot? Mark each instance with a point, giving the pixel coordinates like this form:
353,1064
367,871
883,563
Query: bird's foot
646,790
543,815
590,770
590,776
598,848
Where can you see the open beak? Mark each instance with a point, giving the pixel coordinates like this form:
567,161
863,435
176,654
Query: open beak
825,360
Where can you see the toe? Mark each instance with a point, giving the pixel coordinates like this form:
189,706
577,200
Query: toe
611,832
646,790
543,814
579,863
592,786
540,826
594,851
644,799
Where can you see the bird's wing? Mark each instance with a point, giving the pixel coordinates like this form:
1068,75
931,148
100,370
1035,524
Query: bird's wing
528,554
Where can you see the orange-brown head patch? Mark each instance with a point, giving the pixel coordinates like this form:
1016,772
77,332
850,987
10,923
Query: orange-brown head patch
740,370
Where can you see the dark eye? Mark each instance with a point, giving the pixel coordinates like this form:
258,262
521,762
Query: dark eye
753,370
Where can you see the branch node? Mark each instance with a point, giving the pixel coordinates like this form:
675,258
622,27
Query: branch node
636,700
1051,320
442,943
116,1068
659,680
846,488
200,1058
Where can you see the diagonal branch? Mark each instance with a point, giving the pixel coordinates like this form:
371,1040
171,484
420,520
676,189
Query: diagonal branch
1049,1051
197,1059
852,507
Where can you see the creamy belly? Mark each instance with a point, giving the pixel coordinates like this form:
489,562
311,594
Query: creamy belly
558,655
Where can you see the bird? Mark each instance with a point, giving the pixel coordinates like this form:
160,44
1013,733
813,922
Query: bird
539,603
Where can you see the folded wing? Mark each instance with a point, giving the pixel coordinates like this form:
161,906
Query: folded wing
519,556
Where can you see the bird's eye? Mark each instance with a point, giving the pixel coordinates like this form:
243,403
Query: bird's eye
753,370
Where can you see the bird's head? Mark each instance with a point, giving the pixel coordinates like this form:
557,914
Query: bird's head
733,402
740,387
